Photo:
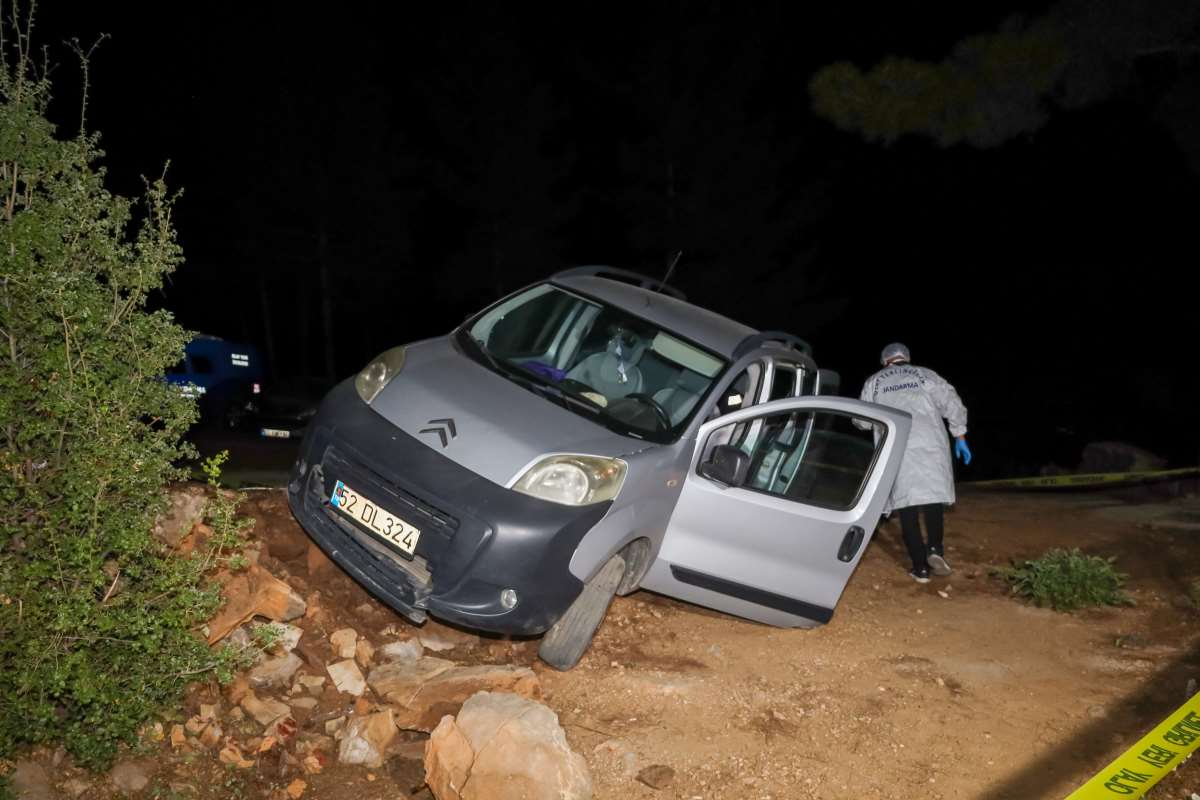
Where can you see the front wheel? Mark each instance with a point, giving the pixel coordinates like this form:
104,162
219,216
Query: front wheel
568,639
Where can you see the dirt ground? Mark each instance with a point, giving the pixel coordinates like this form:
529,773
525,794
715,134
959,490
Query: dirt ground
948,690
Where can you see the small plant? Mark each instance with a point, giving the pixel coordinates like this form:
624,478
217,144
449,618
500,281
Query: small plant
230,658
1068,579
221,512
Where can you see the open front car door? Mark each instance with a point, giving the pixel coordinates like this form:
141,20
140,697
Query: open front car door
778,506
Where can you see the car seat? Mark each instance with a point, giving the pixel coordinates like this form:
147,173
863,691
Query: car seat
681,396
609,374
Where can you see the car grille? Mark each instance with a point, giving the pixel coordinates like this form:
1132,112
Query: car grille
418,512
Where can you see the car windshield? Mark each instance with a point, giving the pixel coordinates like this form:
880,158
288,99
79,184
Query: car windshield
595,359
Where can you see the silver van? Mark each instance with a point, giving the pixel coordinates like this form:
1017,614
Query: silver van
589,436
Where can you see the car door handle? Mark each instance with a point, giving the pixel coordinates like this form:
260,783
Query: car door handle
850,543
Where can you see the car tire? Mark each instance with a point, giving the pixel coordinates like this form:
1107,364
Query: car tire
568,639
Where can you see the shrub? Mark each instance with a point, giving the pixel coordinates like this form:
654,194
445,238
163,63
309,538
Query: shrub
97,622
1068,579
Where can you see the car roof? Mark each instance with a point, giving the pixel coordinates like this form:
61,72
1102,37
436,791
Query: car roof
706,328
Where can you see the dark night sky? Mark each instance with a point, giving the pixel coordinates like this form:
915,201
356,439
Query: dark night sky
435,158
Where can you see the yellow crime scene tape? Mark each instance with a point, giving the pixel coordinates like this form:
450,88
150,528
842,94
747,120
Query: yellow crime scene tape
1153,757
1084,481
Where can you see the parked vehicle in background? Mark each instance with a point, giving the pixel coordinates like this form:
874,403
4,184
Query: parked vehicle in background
590,435
284,408
222,375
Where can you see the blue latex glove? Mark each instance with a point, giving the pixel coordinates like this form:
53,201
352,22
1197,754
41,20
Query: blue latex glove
962,451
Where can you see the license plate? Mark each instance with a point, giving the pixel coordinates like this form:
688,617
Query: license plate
272,433
378,520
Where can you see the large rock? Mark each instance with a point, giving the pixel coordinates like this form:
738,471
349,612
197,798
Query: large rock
276,671
343,642
398,681
254,593
446,693
289,636
448,760
406,650
365,740
504,747
266,711
31,782
347,678
425,690
185,509
129,777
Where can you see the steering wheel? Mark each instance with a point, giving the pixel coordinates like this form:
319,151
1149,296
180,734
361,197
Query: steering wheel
660,413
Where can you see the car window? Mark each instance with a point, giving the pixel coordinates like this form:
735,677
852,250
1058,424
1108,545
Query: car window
595,359
783,382
529,329
814,457
201,365
737,395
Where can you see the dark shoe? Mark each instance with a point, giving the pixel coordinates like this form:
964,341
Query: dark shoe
919,574
941,567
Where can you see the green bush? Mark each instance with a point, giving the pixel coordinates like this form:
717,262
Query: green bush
97,623
1067,579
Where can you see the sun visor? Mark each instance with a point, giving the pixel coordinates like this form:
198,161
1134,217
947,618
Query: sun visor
686,355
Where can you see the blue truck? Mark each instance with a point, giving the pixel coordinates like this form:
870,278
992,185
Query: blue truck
222,375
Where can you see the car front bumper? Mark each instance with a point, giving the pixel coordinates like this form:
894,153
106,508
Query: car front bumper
477,538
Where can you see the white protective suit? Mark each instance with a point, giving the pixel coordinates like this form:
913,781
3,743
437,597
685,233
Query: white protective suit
926,473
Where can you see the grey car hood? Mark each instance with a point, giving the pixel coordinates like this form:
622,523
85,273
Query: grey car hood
482,420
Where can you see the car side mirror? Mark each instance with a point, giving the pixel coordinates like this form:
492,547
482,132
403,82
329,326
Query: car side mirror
727,465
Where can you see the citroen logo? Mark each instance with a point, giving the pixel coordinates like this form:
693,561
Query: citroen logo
441,427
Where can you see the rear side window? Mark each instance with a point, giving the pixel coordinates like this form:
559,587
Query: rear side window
818,458
783,383
737,395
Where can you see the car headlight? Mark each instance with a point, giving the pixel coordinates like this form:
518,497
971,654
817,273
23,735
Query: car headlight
375,376
573,480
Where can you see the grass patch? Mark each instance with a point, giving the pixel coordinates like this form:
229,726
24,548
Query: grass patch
1065,580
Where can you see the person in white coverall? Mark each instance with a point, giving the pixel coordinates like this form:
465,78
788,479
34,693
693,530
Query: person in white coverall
925,482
